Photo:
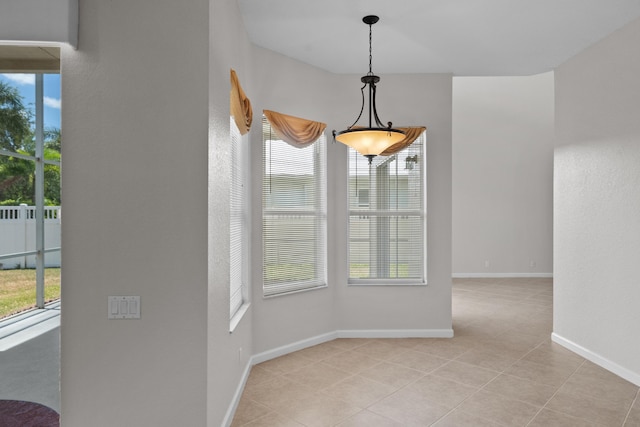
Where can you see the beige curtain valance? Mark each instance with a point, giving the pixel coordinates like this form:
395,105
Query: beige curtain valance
411,134
240,105
294,130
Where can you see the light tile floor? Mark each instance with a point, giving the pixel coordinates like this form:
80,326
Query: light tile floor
500,369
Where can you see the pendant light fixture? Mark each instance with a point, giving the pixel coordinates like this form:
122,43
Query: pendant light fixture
370,141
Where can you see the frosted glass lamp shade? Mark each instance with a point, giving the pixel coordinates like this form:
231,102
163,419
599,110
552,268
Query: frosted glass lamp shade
370,141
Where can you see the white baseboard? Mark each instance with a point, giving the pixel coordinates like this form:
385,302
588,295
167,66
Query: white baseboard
355,333
231,411
319,339
396,333
500,275
603,362
290,348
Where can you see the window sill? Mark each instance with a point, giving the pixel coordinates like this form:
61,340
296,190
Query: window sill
295,291
383,282
235,320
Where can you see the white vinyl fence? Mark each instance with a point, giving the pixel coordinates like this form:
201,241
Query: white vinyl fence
18,234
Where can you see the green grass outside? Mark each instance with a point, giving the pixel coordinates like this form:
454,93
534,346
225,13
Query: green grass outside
362,270
18,289
282,273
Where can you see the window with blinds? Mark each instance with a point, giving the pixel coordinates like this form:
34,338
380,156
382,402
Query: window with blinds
387,227
237,222
294,215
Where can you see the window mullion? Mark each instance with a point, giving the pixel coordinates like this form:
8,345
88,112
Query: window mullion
39,192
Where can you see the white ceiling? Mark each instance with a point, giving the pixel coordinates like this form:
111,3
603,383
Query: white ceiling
463,37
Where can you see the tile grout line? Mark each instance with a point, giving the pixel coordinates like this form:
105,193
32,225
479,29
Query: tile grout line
635,400
431,372
485,385
467,398
554,395
379,382
545,404
474,393
423,376
492,380
380,361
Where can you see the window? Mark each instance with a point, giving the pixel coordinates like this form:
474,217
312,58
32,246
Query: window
294,214
238,224
363,197
387,217
30,209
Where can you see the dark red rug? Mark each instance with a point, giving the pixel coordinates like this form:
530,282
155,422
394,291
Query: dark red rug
18,413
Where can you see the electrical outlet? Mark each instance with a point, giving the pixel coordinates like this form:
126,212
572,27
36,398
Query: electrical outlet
486,264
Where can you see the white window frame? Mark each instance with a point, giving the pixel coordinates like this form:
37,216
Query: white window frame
318,213
358,210
39,161
239,224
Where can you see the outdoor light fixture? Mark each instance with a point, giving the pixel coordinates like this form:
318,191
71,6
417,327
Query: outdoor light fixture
410,161
370,141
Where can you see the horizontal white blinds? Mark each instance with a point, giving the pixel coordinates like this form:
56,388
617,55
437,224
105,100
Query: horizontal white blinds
294,217
387,217
236,219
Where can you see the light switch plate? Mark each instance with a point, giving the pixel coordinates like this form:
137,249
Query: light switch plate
124,307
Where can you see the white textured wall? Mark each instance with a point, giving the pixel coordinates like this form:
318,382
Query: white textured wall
33,21
228,354
503,175
291,87
597,203
145,123
288,86
416,99
135,131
